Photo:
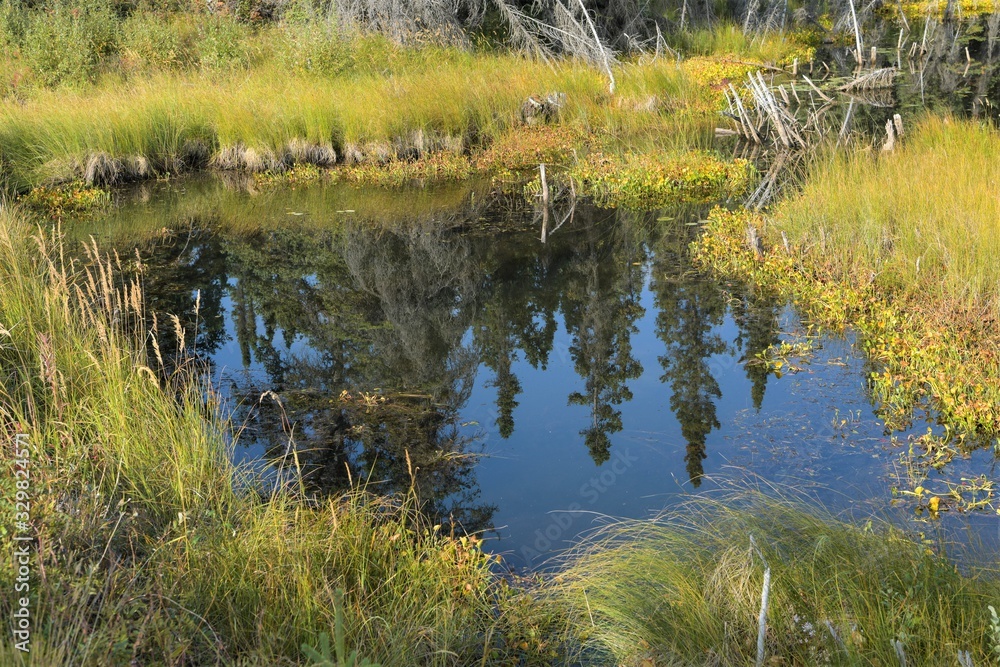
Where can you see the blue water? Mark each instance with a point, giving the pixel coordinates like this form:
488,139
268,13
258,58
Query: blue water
531,390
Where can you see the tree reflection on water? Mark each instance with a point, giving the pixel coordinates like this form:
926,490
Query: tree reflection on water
372,335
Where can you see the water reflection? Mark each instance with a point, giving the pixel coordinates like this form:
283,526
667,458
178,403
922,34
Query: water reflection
403,317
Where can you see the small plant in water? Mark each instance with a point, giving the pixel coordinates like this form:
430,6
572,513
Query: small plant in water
57,201
324,657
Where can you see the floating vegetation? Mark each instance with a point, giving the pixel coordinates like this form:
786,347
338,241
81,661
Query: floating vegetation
649,181
787,356
924,480
73,199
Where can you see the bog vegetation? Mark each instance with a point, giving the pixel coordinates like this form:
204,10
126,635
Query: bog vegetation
105,93
154,548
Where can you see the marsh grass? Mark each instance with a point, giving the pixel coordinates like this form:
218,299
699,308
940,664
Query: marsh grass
730,39
922,221
151,545
253,122
685,588
218,93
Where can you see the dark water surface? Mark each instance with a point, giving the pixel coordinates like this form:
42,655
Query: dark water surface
529,388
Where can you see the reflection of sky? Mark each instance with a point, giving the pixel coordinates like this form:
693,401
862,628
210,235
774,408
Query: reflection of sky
537,475
544,469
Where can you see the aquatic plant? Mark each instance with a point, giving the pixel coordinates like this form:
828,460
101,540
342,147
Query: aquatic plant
653,180
75,199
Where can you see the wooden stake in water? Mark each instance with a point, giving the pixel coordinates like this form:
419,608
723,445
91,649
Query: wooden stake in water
545,203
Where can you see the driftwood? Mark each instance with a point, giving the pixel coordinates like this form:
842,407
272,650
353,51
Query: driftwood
769,120
880,78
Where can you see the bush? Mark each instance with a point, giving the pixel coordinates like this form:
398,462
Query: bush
69,41
151,42
314,48
224,44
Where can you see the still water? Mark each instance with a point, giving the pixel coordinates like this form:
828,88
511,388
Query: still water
528,390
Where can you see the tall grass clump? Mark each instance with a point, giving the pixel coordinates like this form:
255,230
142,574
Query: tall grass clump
251,121
148,546
686,589
922,221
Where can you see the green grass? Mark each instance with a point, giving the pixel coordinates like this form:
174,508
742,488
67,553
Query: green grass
922,221
172,122
685,589
729,38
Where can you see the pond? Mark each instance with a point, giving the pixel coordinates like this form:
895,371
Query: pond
527,389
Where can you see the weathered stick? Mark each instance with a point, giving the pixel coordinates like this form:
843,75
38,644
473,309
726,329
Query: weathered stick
765,594
604,53
816,88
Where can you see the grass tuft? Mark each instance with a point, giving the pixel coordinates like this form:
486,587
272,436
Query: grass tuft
685,588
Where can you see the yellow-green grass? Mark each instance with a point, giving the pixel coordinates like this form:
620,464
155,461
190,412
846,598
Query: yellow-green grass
54,135
779,48
148,546
686,589
922,221
920,360
387,102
